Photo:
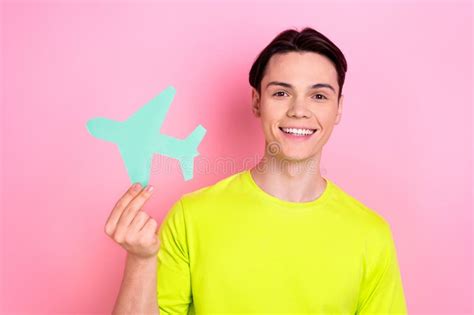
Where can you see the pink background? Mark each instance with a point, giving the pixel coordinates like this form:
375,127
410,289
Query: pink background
404,145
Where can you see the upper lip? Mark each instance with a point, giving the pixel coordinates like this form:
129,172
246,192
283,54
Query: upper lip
297,127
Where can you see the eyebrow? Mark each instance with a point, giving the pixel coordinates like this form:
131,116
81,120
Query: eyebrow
314,86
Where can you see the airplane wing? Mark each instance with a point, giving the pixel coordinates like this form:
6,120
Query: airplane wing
152,114
138,164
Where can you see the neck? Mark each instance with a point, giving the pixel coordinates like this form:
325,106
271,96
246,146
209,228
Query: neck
290,180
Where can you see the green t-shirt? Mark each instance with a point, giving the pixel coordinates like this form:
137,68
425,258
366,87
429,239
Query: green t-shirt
232,248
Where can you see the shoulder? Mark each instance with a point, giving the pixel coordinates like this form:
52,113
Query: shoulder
369,226
222,190
367,219
199,203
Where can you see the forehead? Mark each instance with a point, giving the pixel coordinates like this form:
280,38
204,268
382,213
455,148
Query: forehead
300,66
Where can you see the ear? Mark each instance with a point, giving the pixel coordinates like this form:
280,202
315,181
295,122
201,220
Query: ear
339,110
255,102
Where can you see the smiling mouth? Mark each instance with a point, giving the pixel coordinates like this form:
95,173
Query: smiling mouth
302,132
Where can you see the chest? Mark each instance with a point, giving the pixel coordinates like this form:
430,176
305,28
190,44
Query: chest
282,264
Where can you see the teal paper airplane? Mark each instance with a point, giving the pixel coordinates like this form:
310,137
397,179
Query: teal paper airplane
139,138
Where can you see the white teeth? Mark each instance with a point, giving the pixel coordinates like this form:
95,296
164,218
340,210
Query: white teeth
299,132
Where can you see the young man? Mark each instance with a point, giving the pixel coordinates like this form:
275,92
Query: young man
280,238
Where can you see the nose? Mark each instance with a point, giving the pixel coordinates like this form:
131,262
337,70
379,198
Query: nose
298,109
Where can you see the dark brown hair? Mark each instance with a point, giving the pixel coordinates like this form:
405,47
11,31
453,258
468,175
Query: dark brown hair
291,40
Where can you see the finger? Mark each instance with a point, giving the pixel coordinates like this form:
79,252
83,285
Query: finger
132,208
149,229
138,222
120,206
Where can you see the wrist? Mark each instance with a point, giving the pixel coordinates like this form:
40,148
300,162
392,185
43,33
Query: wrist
139,260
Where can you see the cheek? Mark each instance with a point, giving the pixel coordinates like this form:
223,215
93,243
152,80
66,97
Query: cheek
326,117
269,125
273,112
269,115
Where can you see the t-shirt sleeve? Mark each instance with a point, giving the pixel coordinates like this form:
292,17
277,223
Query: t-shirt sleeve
174,294
382,289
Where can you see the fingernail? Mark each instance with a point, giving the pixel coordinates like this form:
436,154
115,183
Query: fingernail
149,188
136,186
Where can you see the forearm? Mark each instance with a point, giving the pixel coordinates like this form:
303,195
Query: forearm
138,289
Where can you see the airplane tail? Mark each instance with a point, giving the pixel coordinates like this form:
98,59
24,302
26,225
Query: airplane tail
192,141
103,128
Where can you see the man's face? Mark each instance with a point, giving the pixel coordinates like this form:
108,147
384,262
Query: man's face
289,100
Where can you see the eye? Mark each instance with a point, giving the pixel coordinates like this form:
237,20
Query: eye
320,98
279,93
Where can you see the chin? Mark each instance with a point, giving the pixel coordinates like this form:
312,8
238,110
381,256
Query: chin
296,156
